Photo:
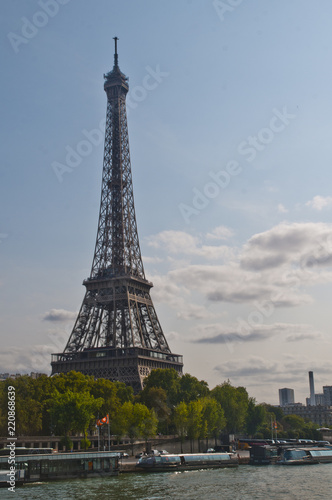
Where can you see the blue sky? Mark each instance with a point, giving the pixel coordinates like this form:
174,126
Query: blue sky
231,158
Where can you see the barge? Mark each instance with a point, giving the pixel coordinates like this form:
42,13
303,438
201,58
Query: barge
290,455
52,466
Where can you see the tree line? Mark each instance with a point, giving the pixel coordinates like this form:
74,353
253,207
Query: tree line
68,404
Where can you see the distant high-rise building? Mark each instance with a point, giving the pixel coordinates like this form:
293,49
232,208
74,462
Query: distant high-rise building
327,391
312,389
321,415
286,396
319,400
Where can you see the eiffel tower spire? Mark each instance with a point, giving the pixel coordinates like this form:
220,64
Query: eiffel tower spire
117,334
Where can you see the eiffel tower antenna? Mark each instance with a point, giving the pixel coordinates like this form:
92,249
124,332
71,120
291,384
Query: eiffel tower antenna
115,51
117,334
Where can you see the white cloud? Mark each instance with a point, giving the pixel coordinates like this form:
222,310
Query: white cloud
231,283
299,244
282,209
220,233
274,268
152,260
26,360
179,242
173,241
319,202
59,315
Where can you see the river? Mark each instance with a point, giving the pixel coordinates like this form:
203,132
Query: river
243,483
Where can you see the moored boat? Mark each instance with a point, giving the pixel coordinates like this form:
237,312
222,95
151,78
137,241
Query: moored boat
187,461
53,466
305,456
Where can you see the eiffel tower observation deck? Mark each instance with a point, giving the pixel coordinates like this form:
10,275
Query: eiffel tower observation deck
117,334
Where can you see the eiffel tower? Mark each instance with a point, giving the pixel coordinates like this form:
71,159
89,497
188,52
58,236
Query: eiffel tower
117,334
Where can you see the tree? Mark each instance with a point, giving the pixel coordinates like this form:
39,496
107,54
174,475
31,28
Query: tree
213,419
74,411
256,415
234,402
63,412
180,418
156,398
134,420
120,420
191,389
167,379
149,425
87,407
277,412
73,381
28,407
106,390
294,421
124,392
195,414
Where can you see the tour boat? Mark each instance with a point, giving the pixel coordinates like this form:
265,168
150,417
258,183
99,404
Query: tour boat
187,461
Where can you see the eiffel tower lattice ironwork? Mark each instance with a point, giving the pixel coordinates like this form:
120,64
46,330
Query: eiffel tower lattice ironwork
117,334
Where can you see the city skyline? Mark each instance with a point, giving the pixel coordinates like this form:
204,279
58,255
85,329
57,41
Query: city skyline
229,116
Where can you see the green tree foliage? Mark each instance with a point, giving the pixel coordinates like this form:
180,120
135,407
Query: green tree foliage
256,416
38,408
29,404
168,380
195,416
234,401
276,411
73,381
184,405
155,398
181,420
120,421
106,390
73,411
134,420
213,418
191,389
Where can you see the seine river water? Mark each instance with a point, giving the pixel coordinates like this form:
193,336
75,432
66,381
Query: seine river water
243,483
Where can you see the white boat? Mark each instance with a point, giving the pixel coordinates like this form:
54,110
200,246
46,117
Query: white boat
305,456
187,461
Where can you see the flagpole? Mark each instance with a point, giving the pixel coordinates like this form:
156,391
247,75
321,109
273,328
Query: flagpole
109,435
98,433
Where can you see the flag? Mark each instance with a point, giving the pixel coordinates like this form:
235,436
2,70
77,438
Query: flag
102,421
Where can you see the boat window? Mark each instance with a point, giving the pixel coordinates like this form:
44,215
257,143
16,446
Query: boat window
321,453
